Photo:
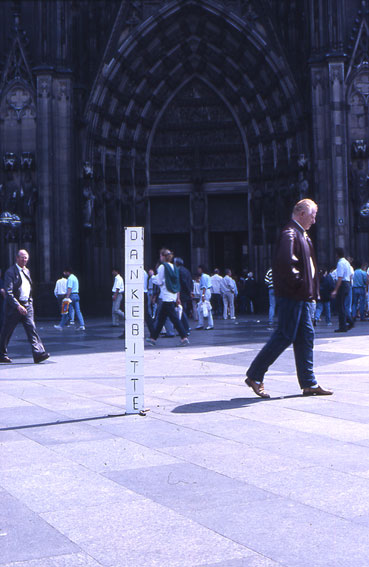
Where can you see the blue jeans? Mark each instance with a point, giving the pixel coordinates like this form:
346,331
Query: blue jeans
294,326
348,302
75,302
358,298
343,294
326,307
271,306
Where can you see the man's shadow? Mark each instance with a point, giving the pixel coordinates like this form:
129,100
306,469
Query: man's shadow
234,403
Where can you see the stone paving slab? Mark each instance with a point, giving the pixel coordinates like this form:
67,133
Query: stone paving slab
184,487
53,487
291,533
146,533
212,475
25,535
70,560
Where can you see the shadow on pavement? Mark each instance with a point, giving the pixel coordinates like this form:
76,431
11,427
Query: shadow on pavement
234,403
62,422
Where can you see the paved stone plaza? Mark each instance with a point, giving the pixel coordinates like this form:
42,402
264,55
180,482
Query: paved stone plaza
212,476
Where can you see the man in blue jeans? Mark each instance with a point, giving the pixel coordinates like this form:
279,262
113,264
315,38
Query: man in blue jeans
73,296
296,286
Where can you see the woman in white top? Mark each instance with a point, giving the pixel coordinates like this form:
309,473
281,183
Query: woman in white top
167,279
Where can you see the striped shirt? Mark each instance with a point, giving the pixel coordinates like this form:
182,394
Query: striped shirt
269,278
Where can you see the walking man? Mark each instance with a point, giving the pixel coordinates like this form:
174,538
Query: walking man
296,286
19,309
229,290
204,308
60,291
118,289
167,279
216,294
73,295
269,282
342,291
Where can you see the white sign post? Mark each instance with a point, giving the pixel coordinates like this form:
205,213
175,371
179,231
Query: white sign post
134,314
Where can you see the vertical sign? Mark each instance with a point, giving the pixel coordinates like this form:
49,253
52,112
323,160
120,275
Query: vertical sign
134,324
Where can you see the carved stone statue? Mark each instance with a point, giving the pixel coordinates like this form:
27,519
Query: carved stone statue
198,209
27,160
88,171
358,149
10,161
88,206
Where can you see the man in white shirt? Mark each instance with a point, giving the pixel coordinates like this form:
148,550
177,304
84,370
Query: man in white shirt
73,295
204,308
341,291
19,309
229,291
117,290
216,296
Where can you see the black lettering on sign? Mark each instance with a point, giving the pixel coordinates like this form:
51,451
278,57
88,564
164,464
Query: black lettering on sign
134,235
135,329
133,254
134,362
134,294
134,348
134,380
135,406
134,274
135,311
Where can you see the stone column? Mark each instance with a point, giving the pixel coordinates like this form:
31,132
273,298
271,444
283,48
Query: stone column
56,213
66,202
44,166
329,158
321,162
199,229
338,127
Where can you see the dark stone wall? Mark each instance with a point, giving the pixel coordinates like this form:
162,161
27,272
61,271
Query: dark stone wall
217,113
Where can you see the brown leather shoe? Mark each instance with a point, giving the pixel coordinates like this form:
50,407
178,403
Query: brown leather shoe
258,388
319,391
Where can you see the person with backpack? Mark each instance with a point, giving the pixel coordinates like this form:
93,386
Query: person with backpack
167,279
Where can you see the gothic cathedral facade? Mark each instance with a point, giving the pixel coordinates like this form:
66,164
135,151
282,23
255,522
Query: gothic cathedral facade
201,120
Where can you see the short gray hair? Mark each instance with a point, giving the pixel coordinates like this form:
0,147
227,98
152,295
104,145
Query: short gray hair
303,205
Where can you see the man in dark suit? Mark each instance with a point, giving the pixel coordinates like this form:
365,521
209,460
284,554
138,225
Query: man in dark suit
19,309
296,285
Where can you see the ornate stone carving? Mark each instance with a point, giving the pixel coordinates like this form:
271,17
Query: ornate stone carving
27,160
19,103
316,79
62,89
336,73
88,206
10,161
198,214
359,149
197,132
88,171
43,87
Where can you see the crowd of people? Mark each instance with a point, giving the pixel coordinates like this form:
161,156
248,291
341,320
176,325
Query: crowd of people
173,297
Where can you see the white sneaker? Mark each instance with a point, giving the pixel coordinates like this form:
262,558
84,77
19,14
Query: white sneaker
209,328
81,328
58,327
71,322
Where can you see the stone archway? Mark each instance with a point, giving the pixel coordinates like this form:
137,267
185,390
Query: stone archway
238,58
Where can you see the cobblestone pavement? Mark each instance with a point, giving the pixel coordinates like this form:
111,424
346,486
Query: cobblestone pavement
212,476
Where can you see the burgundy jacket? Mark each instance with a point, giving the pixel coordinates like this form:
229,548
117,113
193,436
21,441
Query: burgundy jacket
292,274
